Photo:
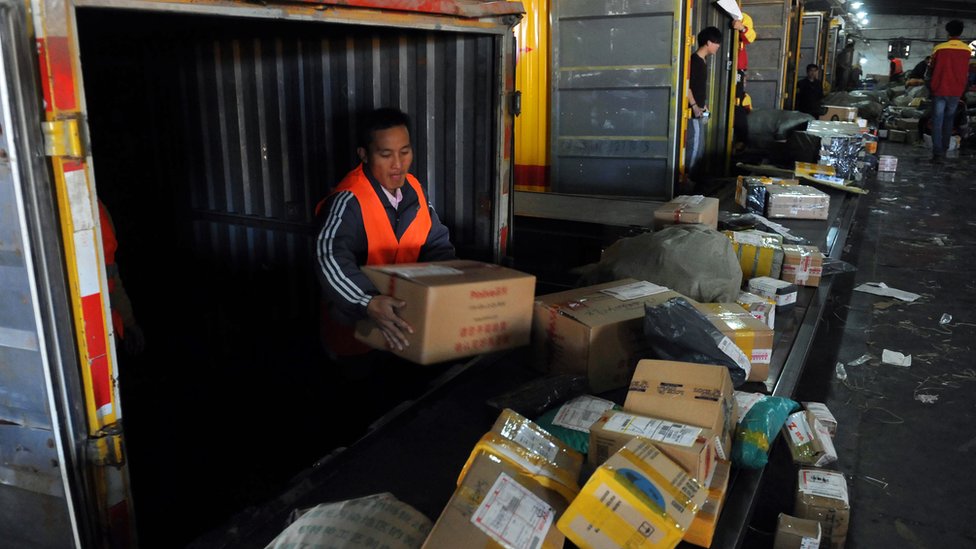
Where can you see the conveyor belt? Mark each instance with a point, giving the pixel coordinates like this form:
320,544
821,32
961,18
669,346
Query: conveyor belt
417,451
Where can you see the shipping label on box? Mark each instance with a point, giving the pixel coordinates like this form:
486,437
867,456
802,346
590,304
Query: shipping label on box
456,308
686,445
797,202
759,253
597,331
498,504
750,191
695,394
750,334
821,495
687,209
637,499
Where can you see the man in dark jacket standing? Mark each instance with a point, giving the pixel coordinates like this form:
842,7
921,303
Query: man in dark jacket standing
377,215
809,92
950,70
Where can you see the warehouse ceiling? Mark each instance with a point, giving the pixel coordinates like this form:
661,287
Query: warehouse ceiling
963,9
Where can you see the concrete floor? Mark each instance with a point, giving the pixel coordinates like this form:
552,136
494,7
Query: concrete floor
906,437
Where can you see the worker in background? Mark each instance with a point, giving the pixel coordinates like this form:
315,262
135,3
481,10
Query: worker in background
854,81
127,330
843,65
740,122
809,92
747,35
918,72
709,41
743,102
896,70
378,214
950,73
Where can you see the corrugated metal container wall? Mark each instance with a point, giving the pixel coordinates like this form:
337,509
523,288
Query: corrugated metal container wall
265,126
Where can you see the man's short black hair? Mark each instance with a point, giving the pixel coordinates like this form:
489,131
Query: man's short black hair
709,34
954,27
812,66
380,119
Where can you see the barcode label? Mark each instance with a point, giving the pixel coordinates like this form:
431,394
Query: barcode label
828,484
654,429
581,413
634,290
735,353
535,442
513,516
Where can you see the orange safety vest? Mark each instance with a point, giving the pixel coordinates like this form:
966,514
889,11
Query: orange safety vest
383,248
110,245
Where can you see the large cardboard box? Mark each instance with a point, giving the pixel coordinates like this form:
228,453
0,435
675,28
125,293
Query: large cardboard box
687,209
518,441
802,265
822,496
796,202
796,533
637,499
686,445
836,112
597,331
695,394
750,334
457,308
498,504
760,253
702,529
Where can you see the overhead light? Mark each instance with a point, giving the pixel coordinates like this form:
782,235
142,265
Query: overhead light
862,14
856,5
864,60
864,21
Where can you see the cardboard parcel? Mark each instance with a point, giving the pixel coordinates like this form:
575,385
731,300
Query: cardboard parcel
822,496
687,209
694,394
596,331
637,499
802,265
702,529
457,308
686,445
516,483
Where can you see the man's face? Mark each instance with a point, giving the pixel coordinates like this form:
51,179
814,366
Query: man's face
713,47
389,156
813,74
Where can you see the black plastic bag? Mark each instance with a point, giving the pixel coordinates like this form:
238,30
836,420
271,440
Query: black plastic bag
676,330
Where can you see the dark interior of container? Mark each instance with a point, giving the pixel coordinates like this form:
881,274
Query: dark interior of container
213,138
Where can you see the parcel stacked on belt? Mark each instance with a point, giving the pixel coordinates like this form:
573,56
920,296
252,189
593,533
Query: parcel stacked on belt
802,265
687,209
749,334
759,253
516,483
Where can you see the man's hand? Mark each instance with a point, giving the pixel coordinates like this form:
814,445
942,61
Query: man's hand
738,25
383,310
696,111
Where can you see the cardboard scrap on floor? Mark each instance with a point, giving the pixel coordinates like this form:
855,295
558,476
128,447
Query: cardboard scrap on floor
882,289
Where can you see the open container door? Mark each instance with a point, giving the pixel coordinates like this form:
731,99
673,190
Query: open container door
616,95
62,476
217,128
767,55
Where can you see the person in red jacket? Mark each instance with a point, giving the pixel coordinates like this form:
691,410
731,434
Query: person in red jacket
896,69
126,328
950,71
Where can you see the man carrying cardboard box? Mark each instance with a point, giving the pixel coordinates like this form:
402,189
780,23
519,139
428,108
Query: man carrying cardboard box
377,215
